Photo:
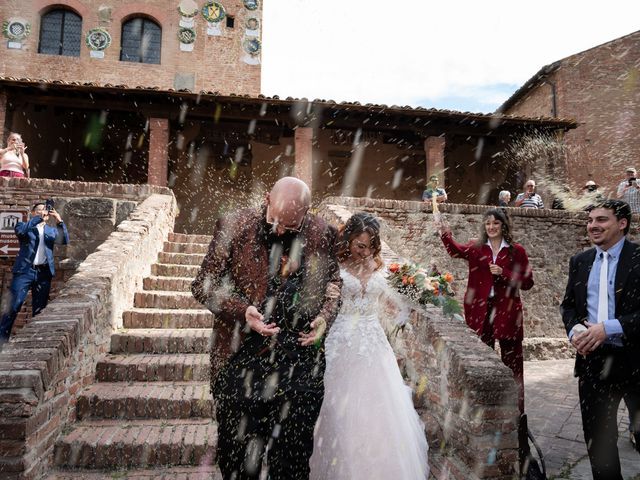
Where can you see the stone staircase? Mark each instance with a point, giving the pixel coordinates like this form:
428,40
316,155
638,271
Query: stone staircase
149,414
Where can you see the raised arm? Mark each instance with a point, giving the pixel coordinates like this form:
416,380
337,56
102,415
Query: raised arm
455,249
23,227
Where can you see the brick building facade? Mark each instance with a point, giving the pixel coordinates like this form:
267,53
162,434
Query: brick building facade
600,89
217,61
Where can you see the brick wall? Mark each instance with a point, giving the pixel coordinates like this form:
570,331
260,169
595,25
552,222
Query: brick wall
215,64
90,210
51,359
600,89
462,391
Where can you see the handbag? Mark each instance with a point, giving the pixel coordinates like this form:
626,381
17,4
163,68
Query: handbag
530,469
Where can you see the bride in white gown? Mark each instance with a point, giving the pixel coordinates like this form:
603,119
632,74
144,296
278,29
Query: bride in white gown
367,428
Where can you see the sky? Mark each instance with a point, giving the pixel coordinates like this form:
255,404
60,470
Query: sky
465,55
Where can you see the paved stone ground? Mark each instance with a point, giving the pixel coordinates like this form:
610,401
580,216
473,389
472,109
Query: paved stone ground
554,419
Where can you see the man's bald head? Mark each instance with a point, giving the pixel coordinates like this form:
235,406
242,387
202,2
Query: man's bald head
288,203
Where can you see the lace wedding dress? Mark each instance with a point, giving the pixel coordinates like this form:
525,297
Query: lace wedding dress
367,428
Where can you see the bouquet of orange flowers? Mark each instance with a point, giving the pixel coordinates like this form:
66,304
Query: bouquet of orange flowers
425,286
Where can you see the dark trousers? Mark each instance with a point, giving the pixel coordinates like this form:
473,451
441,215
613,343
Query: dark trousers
633,405
38,280
600,397
510,352
283,427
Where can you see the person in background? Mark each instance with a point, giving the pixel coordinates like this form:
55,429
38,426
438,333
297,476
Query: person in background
504,197
629,190
33,268
433,189
529,199
592,194
14,162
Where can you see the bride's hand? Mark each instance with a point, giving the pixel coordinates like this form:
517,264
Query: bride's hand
318,327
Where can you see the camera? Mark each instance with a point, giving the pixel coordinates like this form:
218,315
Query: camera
592,188
632,181
49,204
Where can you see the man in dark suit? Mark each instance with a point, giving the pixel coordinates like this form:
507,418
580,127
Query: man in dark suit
33,268
272,280
601,313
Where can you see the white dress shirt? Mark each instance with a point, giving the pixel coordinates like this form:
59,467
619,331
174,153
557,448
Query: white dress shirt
40,258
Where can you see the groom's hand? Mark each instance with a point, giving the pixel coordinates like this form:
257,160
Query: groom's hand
318,327
587,341
255,320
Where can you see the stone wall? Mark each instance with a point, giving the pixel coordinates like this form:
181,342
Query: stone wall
91,211
462,391
47,362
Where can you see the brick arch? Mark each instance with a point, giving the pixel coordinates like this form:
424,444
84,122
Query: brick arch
43,6
125,12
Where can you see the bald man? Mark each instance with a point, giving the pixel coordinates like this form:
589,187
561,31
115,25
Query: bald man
272,280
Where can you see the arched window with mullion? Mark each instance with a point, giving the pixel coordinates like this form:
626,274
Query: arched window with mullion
60,33
140,41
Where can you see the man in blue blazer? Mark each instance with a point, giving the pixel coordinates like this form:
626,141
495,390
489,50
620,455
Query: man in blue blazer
601,313
33,268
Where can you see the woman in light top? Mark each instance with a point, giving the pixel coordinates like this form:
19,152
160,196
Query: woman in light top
14,162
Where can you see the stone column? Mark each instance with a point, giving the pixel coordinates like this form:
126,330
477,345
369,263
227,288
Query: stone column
303,167
434,151
158,151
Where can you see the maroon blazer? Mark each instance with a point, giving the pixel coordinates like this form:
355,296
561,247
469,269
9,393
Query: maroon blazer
516,275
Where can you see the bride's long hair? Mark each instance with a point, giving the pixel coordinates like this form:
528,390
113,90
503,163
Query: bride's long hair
358,224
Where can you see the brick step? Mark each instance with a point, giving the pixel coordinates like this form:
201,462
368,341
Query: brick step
144,400
201,472
188,238
168,284
166,318
160,299
173,247
161,340
169,270
148,367
181,258
108,444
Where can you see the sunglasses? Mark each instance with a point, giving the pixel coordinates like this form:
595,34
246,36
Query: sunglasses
274,224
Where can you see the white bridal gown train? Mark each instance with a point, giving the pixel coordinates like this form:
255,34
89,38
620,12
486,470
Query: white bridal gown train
367,427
